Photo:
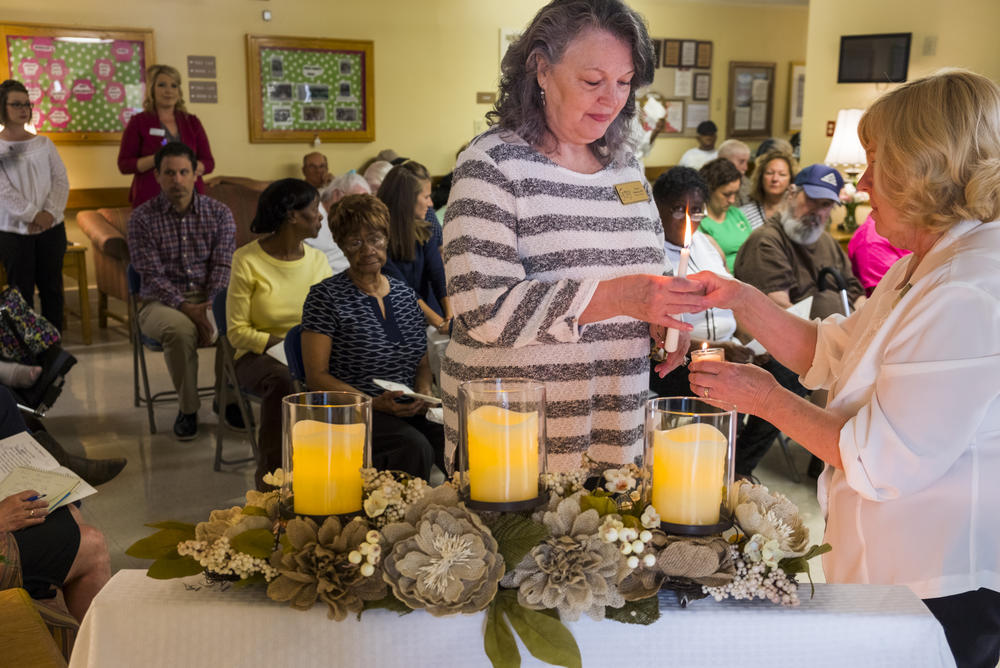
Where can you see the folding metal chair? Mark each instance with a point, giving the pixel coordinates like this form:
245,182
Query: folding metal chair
229,383
140,343
293,355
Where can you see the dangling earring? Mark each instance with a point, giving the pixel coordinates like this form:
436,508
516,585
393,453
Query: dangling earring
542,91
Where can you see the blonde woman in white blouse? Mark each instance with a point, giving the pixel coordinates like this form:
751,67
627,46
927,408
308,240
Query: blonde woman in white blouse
911,432
33,192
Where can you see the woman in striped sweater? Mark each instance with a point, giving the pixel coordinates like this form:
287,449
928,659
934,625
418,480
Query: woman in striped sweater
553,247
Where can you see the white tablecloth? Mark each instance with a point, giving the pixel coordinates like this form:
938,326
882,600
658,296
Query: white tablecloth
140,622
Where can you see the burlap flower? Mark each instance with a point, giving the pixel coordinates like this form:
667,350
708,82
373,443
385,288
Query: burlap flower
229,523
442,558
772,516
573,570
681,563
318,567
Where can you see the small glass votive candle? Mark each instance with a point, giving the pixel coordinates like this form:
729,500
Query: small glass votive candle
501,443
688,463
708,355
327,441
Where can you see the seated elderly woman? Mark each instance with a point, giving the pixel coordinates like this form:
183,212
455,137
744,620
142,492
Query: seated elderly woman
676,192
56,550
911,431
267,286
362,325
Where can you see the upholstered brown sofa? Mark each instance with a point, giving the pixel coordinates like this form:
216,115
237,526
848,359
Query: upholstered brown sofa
107,230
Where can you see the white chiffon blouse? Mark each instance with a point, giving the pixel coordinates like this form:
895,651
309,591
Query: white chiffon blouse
917,372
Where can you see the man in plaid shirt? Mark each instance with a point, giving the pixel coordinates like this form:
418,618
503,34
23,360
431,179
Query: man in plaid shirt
182,244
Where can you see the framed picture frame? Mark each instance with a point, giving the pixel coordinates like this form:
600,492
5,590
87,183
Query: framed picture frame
702,88
85,83
671,53
703,57
796,95
689,53
751,99
303,88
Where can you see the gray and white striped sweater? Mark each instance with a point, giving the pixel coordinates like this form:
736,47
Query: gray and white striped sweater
526,243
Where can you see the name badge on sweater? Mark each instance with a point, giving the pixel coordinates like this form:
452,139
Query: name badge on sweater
158,132
631,192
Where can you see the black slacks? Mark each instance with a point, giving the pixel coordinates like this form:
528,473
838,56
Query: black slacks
35,260
971,622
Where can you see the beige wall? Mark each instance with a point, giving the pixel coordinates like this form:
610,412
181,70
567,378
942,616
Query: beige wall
965,32
431,56
740,32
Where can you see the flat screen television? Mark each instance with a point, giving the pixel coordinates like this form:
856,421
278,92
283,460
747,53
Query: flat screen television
874,58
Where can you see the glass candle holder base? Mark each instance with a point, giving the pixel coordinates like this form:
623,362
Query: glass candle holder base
696,529
508,506
286,513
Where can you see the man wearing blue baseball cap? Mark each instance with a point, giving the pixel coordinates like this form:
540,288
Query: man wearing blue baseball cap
783,257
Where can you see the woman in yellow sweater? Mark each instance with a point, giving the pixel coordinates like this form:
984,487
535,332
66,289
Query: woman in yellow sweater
268,283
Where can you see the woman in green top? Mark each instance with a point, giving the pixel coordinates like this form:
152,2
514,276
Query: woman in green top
724,222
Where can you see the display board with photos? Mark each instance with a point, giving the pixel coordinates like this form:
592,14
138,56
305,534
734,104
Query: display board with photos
683,81
85,83
751,99
303,88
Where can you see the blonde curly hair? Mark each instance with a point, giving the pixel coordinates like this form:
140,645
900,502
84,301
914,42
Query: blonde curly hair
937,142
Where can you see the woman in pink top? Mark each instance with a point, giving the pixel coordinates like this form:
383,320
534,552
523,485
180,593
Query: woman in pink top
162,121
871,255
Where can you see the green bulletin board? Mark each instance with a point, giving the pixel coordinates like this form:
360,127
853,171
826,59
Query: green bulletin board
85,84
303,88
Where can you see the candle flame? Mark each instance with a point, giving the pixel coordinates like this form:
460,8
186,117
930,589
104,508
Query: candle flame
704,345
687,228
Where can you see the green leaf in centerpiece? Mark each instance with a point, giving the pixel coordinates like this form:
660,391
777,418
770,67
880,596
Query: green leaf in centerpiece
604,505
168,568
255,542
546,638
255,510
390,602
179,526
159,545
516,535
644,611
498,640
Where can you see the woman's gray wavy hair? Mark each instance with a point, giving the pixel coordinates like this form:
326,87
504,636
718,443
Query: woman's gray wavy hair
519,106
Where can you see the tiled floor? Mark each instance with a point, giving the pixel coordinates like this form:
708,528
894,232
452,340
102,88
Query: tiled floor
167,479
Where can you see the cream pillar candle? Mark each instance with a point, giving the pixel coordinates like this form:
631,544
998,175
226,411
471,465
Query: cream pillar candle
689,468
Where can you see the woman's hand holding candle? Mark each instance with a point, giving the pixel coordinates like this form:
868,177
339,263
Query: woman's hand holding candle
745,386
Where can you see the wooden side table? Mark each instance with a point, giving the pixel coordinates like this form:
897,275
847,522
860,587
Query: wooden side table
75,266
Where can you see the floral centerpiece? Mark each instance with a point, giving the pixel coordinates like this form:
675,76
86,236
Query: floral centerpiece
596,552
851,197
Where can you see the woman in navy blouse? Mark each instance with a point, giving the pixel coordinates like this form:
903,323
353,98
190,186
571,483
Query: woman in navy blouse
362,325
414,254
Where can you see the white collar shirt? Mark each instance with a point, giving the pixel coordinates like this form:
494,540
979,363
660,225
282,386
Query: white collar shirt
917,373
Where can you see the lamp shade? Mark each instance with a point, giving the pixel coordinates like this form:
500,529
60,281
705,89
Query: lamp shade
845,147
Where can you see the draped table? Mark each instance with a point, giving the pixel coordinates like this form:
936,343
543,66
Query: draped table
138,621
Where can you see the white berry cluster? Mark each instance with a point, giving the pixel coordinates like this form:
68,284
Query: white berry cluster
220,558
564,483
369,552
631,541
387,498
756,580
